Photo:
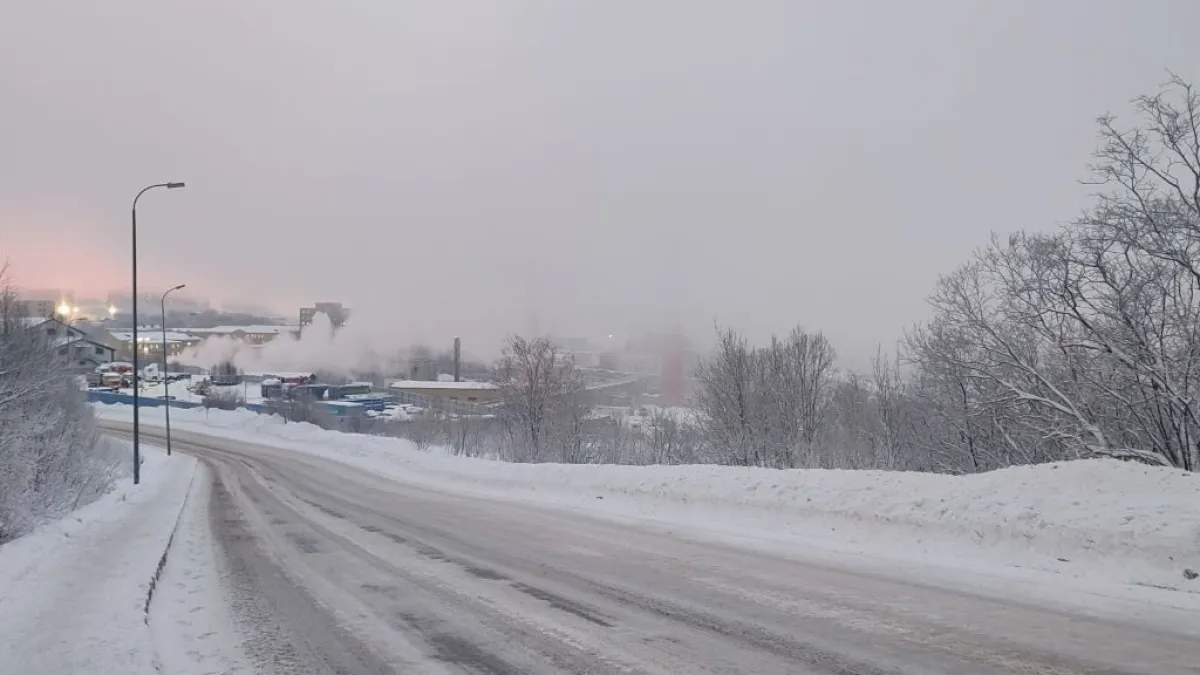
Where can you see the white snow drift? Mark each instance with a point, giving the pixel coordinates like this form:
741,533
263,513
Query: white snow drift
76,595
73,598
1093,520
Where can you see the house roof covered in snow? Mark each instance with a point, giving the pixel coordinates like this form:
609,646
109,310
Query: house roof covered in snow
35,321
420,384
152,335
231,330
70,340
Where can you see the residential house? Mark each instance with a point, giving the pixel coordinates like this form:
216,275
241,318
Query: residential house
83,353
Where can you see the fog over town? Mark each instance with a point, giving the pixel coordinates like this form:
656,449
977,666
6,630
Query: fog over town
667,337
466,169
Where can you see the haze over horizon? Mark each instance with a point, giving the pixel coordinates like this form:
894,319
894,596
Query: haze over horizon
473,168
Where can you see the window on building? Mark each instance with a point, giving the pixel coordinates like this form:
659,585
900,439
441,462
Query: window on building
99,351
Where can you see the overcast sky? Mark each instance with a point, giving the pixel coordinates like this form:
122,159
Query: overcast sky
610,166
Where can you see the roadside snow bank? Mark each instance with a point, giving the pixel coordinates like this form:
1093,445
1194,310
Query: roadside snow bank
1096,518
73,592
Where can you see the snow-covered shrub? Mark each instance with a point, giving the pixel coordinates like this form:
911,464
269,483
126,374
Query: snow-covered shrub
52,457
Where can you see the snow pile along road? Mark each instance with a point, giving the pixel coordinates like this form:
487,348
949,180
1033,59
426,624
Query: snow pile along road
1094,520
74,592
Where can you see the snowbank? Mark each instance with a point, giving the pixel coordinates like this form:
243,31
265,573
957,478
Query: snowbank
73,593
1086,519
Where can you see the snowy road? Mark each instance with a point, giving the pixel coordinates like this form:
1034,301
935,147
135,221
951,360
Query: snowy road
336,570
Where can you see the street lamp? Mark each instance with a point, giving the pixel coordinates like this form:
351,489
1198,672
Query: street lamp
137,463
166,380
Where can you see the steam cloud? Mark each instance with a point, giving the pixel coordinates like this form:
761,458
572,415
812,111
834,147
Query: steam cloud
351,349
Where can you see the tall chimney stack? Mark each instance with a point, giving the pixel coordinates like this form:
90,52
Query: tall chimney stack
457,357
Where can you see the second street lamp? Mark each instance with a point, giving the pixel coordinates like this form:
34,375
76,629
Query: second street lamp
165,379
137,459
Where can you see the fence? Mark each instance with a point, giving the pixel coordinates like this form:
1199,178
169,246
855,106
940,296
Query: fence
334,415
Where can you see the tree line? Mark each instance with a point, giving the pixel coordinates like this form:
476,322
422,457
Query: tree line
1043,346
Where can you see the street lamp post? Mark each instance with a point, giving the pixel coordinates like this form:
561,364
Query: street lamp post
137,460
166,380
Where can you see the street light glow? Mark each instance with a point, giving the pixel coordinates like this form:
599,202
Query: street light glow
64,308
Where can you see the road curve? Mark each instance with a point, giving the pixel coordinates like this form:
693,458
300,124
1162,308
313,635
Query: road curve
336,570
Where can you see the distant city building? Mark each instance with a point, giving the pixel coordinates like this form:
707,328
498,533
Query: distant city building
36,308
336,312
52,329
671,379
473,392
570,344
255,335
150,341
60,305
179,340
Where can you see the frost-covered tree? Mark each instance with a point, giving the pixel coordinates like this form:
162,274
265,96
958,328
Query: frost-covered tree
52,458
543,404
1085,342
766,406
1042,346
729,401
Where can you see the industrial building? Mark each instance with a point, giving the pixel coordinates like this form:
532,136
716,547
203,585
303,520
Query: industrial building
337,313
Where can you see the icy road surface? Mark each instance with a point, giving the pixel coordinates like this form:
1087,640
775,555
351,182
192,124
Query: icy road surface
336,570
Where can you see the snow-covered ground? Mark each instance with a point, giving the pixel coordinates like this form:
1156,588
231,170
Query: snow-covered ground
177,390
181,390
96,592
74,593
640,417
1085,522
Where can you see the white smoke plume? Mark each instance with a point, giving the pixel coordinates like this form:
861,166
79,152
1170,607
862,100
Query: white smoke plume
350,349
